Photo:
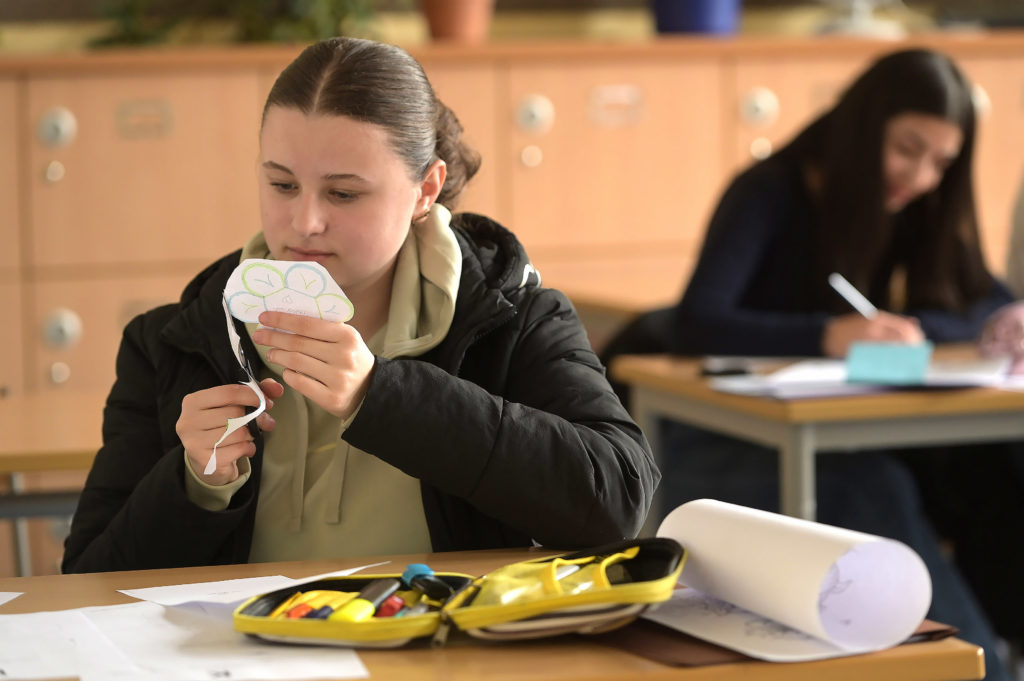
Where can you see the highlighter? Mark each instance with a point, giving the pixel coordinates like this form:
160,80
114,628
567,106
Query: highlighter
367,601
310,602
324,611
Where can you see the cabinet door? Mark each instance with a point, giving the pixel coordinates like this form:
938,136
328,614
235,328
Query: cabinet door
772,99
10,214
12,348
135,170
471,92
999,151
615,156
76,327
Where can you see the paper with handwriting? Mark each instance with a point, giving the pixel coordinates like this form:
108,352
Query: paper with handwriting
785,590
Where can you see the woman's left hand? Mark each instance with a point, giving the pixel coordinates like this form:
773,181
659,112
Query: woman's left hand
328,362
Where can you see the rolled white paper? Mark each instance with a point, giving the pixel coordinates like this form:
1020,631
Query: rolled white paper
854,591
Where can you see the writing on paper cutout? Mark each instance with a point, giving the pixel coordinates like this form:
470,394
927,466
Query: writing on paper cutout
300,288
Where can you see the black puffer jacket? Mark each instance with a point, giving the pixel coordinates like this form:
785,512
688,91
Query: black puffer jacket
509,423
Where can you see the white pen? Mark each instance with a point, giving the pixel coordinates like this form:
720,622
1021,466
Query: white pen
852,295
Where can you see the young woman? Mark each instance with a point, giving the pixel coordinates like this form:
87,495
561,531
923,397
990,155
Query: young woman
877,189
460,408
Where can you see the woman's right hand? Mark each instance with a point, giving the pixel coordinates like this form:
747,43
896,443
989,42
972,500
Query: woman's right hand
840,332
204,416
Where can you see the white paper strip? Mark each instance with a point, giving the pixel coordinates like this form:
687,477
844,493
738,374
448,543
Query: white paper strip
236,423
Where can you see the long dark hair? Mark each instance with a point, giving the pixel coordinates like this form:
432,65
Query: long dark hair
380,84
943,262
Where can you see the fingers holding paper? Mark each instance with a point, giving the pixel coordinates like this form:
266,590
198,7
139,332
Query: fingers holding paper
326,361
841,331
202,422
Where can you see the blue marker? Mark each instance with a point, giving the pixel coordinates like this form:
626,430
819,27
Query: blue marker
420,577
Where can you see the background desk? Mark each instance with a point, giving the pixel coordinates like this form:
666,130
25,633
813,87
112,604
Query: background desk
672,387
569,658
34,440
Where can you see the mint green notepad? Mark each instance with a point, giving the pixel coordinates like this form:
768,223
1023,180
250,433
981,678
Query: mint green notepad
888,363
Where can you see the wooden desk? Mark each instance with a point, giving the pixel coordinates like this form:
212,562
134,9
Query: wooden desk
672,387
41,434
570,658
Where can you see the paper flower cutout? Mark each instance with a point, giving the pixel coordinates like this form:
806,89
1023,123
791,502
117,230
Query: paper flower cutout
303,288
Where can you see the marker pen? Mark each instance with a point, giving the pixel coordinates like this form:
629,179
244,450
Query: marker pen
367,601
322,613
420,577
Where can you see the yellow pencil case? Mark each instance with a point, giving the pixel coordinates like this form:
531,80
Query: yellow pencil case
589,591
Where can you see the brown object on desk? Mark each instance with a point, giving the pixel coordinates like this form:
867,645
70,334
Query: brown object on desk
575,658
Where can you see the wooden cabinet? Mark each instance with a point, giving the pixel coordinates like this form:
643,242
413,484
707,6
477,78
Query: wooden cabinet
121,174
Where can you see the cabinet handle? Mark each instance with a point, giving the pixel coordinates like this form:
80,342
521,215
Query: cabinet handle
535,113
62,329
982,102
760,106
144,119
531,156
57,127
760,148
60,372
55,172
616,106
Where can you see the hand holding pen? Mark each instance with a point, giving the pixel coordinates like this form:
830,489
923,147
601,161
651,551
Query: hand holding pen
867,324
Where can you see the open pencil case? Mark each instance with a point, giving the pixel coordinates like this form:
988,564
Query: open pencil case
588,591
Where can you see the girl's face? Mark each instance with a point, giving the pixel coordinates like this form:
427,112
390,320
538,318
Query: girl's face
916,150
332,190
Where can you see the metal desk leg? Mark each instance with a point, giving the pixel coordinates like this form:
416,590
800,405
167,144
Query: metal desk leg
796,473
647,419
22,550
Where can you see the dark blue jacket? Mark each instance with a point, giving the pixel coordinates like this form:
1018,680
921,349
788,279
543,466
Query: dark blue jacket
753,291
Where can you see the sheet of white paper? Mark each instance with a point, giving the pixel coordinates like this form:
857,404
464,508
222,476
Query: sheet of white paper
827,378
723,623
221,598
36,646
182,645
855,591
8,596
47,645
305,288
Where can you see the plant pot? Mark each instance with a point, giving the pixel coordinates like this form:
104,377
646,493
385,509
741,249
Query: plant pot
462,21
